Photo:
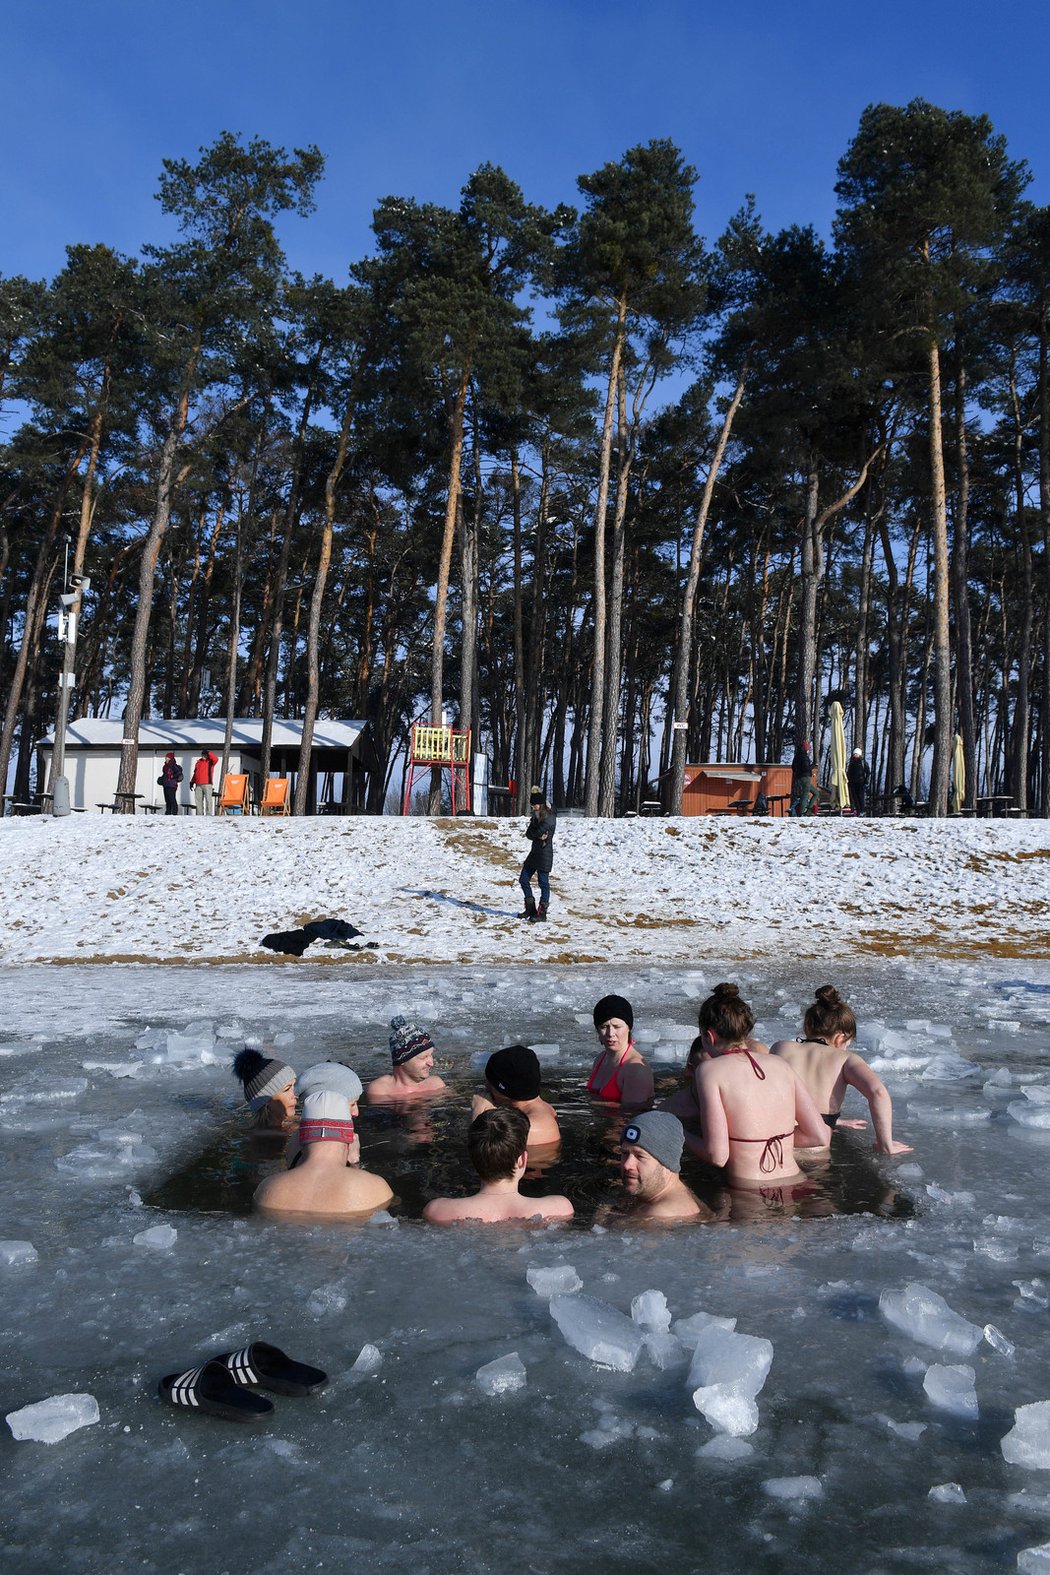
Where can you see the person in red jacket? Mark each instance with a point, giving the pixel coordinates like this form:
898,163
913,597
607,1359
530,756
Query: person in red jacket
201,782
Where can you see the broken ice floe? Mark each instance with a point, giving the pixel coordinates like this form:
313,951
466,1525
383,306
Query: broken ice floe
51,1420
925,1316
505,1376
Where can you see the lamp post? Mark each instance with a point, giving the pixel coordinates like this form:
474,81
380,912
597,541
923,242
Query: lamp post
68,619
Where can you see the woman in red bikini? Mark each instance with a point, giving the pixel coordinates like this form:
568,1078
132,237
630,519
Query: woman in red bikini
752,1107
619,1076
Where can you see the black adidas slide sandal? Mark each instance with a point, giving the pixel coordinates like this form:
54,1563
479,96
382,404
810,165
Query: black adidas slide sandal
211,1390
268,1368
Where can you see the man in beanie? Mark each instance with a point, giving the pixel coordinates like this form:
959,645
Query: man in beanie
650,1160
543,823
498,1142
323,1183
513,1079
413,1075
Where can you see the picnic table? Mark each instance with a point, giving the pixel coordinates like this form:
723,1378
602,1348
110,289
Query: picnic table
122,802
992,800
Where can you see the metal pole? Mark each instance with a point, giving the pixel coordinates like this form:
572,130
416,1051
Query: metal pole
68,620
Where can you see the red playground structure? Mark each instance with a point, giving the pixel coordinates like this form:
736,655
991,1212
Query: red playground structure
447,748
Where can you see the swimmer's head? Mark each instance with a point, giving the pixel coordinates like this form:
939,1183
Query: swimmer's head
515,1073
327,1118
411,1047
726,1015
613,1007
497,1141
829,1015
650,1153
260,1078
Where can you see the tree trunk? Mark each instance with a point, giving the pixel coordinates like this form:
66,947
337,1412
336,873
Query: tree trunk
684,648
313,633
594,730
960,577
942,690
614,623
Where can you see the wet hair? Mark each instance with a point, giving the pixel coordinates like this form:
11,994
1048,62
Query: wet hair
496,1141
829,1015
727,1016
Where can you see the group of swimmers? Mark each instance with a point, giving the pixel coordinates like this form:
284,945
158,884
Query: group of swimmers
747,1109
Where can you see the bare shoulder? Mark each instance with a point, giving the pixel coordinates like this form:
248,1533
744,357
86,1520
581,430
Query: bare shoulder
380,1089
785,1047
368,1190
557,1207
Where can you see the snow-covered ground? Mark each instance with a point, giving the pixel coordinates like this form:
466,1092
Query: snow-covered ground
114,1078
95,888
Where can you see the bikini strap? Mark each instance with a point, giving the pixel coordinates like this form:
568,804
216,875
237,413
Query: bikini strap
743,1050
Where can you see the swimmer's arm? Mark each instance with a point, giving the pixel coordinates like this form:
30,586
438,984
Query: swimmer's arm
478,1104
713,1147
859,1075
811,1130
636,1085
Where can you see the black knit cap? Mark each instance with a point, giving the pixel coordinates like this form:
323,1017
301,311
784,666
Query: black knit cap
536,796
613,1006
515,1071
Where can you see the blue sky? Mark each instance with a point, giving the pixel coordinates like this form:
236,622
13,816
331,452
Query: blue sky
408,96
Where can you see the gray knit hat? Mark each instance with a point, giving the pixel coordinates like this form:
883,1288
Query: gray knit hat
659,1134
407,1041
327,1118
261,1079
330,1077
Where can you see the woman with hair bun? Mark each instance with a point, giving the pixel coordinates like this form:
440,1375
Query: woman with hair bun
827,1066
751,1107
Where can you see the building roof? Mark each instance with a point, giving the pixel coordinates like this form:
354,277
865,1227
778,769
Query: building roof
207,732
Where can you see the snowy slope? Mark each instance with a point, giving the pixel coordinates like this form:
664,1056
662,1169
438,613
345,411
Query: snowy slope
96,888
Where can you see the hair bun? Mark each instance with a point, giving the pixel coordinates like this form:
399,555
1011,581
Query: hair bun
829,994
727,991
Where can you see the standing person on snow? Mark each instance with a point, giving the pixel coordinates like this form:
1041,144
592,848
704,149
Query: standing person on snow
803,793
857,773
201,782
169,779
540,831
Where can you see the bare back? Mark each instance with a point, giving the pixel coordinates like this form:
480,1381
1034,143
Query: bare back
323,1192
819,1067
496,1208
749,1111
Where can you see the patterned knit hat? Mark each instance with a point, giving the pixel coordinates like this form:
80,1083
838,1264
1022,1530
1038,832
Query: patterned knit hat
261,1079
406,1041
326,1119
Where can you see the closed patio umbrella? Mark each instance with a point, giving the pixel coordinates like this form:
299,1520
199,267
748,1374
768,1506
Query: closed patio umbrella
958,774
839,780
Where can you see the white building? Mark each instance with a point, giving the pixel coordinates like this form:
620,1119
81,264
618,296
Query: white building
341,753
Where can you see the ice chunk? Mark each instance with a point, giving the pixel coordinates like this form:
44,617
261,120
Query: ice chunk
997,1340
1029,1115
912,1431
728,1407
549,1052
952,1389
797,1489
722,1356
49,1421
947,1493
16,1252
505,1376
326,1301
1031,1291
369,1360
553,1279
114,1068
1028,1441
20,1047
725,1447
1035,1561
610,1430
998,1251
597,1330
910,1172
949,1068
100,1162
160,1237
924,1316
664,1350
650,1311
689,1330
49,1091
965,1200
665,1486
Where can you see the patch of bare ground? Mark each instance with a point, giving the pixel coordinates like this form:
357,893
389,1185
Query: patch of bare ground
477,846
980,861
642,921
949,946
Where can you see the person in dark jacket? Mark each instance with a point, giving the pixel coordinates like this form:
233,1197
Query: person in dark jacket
170,777
803,792
540,831
857,773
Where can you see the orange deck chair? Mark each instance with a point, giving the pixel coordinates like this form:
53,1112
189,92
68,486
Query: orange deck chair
234,800
275,797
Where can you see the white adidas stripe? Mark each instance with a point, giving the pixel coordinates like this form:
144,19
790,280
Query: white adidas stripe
183,1390
240,1367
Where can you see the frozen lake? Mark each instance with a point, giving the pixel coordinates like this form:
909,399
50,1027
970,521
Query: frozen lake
410,1463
